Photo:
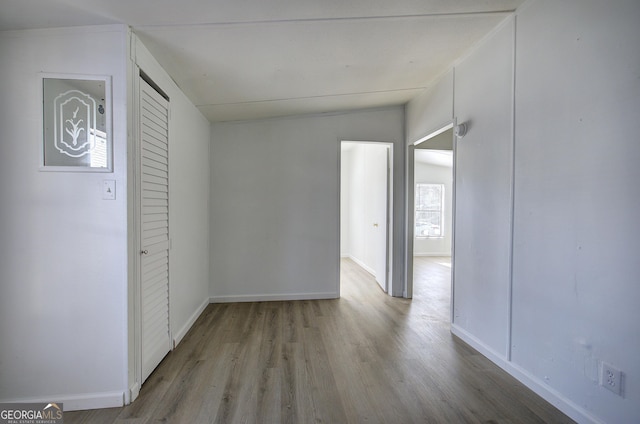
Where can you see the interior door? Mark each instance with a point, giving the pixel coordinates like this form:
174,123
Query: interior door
154,264
380,162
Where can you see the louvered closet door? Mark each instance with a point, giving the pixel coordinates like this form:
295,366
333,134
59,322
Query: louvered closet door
154,180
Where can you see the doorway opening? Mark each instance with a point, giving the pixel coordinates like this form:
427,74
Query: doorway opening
431,209
365,207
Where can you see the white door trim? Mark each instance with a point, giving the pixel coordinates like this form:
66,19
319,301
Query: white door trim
154,226
135,376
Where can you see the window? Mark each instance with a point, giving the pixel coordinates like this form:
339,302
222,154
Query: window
429,210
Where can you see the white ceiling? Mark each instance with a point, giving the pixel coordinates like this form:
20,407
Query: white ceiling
249,59
434,157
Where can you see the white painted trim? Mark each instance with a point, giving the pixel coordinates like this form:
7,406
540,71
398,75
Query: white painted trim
475,343
512,200
187,326
62,31
444,127
574,411
409,218
272,297
78,402
447,254
454,179
150,66
341,256
134,392
390,220
363,265
136,208
132,224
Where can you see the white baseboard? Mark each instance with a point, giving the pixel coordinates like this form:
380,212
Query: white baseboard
363,265
555,398
134,391
447,254
187,326
272,297
78,402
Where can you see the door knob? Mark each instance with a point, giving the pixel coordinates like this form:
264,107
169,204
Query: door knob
144,252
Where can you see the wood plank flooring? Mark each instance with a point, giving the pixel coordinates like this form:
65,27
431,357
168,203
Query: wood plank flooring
363,358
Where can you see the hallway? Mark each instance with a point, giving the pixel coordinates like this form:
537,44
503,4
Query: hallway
366,357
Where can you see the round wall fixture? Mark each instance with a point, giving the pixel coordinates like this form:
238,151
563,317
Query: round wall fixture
460,130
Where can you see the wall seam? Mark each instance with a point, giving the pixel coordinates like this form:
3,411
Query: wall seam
453,193
513,192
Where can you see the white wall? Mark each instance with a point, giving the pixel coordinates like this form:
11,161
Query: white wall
483,100
577,201
570,301
63,268
189,189
433,174
275,191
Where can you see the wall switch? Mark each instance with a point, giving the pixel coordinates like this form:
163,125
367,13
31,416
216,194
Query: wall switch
109,189
611,378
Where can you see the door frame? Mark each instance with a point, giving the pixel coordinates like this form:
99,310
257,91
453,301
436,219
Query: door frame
390,207
152,87
135,243
135,236
410,219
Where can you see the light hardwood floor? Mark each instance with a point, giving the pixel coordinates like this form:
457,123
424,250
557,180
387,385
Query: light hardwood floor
366,357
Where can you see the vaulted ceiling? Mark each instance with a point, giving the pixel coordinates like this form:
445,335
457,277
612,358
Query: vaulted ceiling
249,59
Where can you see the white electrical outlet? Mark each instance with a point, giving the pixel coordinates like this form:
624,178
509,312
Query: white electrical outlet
611,378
